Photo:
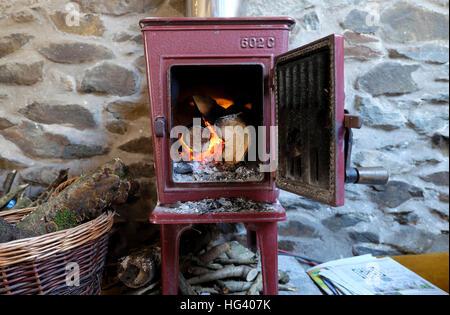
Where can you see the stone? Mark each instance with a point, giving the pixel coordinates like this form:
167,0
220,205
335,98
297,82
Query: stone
110,78
376,114
22,16
438,178
64,81
128,110
5,123
141,169
388,78
407,218
12,43
357,38
406,23
395,193
139,63
377,250
42,176
298,229
292,202
73,115
286,245
360,21
409,240
34,141
340,221
75,52
86,25
21,73
117,126
118,7
361,53
7,164
364,237
440,98
441,213
428,122
430,53
139,145
310,21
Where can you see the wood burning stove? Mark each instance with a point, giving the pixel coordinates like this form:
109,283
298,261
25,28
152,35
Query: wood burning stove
242,65
209,74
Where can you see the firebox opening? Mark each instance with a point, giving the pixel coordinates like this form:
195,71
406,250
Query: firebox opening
217,97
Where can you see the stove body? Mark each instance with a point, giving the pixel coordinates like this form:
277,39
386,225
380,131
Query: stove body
300,91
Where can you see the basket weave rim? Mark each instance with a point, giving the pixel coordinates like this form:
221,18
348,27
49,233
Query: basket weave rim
44,246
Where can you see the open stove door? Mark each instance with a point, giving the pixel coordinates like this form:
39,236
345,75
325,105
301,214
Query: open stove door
309,96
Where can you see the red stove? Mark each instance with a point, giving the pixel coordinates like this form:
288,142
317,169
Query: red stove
215,73
245,63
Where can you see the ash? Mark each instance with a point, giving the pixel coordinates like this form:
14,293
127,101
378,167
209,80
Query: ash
216,172
220,205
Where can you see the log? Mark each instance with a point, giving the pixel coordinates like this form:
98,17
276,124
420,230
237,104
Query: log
84,199
231,286
227,272
200,290
62,177
236,261
283,287
208,107
283,277
236,140
184,287
12,194
9,232
139,267
22,202
8,182
214,252
257,286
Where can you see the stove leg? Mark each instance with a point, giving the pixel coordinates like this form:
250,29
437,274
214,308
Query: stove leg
268,246
170,243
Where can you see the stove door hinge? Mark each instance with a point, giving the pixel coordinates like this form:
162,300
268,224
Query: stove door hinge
362,175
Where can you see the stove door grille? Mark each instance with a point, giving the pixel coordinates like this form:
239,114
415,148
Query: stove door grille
309,113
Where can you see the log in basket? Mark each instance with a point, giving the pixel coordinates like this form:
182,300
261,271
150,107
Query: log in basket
40,265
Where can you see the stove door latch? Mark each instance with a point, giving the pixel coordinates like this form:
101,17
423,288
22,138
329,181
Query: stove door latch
362,175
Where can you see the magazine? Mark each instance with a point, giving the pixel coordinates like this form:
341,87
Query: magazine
368,275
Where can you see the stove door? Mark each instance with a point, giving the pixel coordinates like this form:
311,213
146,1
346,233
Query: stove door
309,94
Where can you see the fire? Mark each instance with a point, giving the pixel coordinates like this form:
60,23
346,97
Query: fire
223,102
215,146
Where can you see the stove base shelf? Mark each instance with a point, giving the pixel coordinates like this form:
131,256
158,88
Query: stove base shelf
264,224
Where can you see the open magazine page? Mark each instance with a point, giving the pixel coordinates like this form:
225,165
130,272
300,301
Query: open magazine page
372,276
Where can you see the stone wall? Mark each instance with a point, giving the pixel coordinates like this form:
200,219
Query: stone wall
73,95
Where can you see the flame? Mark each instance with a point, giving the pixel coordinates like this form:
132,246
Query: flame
223,102
215,146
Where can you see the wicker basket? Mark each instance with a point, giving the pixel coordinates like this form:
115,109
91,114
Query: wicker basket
37,265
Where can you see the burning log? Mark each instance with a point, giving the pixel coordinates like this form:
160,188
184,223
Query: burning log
139,267
12,194
237,140
84,199
208,107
